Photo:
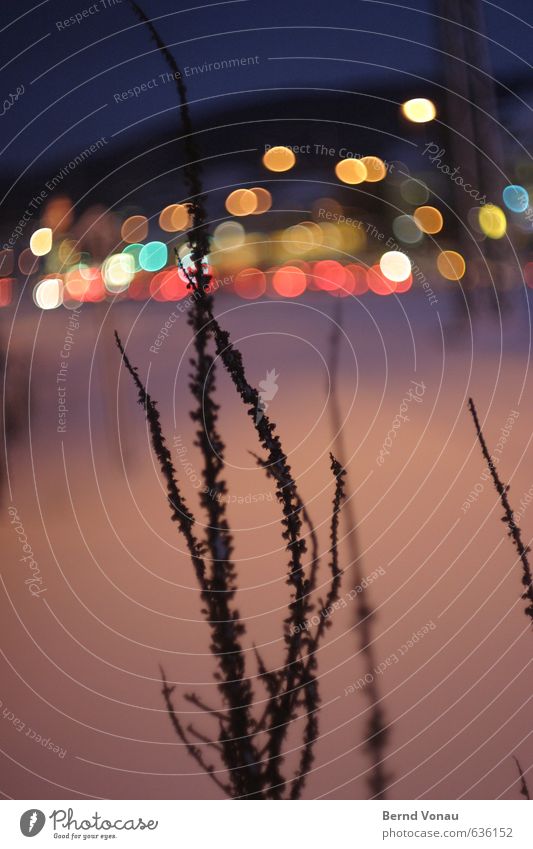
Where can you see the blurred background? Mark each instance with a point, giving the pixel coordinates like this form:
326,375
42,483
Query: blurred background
368,180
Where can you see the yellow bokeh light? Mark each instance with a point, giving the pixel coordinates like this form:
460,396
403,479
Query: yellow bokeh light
428,219
41,242
419,110
492,221
68,253
174,217
279,159
229,234
298,239
241,202
376,169
118,272
314,231
451,265
351,171
134,229
395,266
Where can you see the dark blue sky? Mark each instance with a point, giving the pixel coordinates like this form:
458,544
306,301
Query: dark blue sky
73,74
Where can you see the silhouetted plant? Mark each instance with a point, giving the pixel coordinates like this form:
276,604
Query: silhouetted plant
514,530
377,730
250,748
253,770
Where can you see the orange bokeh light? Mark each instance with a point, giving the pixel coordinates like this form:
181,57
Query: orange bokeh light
250,283
289,281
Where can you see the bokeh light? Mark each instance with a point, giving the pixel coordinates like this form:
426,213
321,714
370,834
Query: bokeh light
58,214
41,243
264,200
168,286
250,283
516,198
48,293
395,266
27,262
420,110
84,284
6,287
134,250
351,171
378,283
329,275
414,191
279,159
451,265
359,277
528,274
492,221
134,229
322,206
117,272
174,218
229,234
68,253
289,281
153,256
376,169
428,219
406,229
298,239
241,202
404,285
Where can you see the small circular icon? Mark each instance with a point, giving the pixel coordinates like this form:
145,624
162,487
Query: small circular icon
32,822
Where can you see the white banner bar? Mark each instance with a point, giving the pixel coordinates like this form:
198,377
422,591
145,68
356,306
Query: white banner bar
264,825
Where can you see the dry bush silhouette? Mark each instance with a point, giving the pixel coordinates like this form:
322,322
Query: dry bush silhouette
249,746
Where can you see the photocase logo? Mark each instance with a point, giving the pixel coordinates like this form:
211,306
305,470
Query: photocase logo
268,389
32,822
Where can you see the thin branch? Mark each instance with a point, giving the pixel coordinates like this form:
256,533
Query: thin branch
524,789
309,682
199,703
377,733
199,736
191,748
508,517
179,510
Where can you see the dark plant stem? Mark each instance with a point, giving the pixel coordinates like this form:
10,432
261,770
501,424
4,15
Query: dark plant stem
514,530
524,789
237,728
377,732
311,699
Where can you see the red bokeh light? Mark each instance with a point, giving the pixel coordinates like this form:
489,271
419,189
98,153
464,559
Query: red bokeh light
6,286
168,285
528,274
329,275
359,275
404,285
378,283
